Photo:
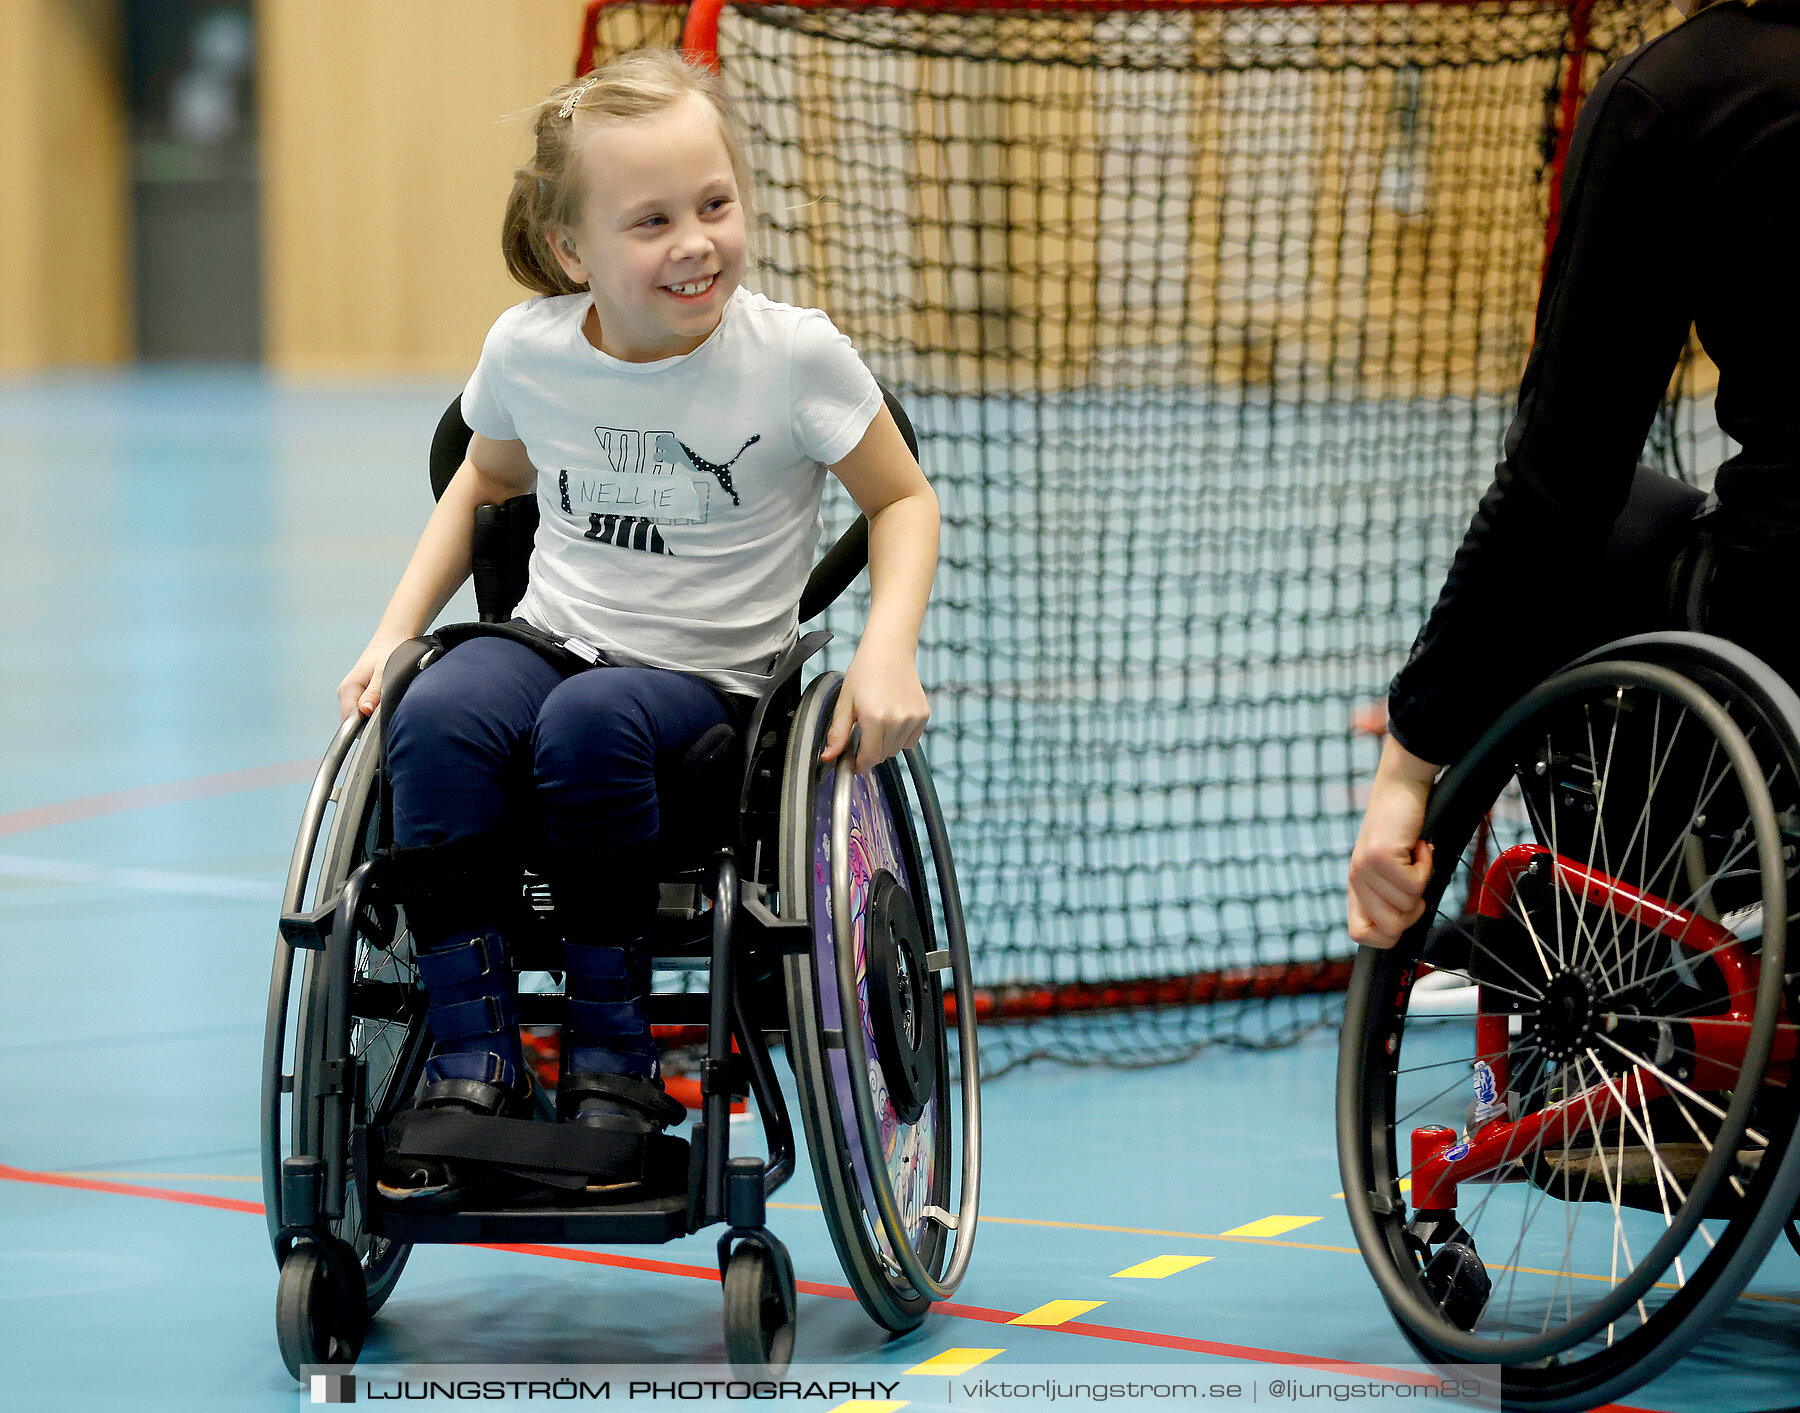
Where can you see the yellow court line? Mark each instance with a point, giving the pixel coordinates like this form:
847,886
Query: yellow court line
1159,1266
1123,1231
954,1361
1271,1226
1057,1312
165,1177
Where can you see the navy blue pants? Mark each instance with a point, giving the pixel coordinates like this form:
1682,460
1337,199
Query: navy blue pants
493,741
492,738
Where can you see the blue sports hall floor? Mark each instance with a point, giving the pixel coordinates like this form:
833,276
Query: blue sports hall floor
189,562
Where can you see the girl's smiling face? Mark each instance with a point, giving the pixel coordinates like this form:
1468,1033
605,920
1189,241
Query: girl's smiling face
661,240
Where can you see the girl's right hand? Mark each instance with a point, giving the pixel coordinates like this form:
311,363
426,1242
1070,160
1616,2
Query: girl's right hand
361,688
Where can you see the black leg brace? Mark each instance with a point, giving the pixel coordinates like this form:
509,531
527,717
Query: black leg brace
606,902
458,897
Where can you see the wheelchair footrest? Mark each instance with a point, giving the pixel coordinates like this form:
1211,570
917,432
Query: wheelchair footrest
650,1222
518,1143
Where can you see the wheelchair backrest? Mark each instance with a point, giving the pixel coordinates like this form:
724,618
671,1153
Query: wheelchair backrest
504,533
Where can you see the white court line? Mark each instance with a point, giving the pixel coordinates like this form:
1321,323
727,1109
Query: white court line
147,880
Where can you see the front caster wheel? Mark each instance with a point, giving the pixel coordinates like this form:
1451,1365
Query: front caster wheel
321,1309
1456,1279
760,1303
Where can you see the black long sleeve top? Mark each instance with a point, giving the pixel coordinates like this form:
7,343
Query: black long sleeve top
1681,205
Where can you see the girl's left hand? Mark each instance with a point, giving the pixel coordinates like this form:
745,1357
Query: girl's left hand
883,695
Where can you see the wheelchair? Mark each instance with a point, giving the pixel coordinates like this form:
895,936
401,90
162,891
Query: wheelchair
822,908
1574,1187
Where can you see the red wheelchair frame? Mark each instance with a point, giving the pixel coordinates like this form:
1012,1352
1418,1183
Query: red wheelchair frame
1441,1162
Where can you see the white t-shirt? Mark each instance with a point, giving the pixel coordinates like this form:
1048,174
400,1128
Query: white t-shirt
678,500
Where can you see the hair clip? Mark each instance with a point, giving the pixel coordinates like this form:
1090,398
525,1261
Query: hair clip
568,107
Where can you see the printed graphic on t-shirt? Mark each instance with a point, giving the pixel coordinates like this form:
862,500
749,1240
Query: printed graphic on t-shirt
722,472
648,480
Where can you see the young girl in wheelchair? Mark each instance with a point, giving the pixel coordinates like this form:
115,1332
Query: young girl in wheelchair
676,428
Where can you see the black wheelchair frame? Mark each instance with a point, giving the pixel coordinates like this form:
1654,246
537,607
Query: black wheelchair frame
785,970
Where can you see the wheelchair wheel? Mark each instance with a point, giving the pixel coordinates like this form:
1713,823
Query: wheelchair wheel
869,1040
1597,1169
760,1308
388,1039
320,1311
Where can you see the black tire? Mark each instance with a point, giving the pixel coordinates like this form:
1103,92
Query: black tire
760,1309
389,1050
1582,1340
320,1313
823,1071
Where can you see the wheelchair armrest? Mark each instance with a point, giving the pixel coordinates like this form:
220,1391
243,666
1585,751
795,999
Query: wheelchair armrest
836,571
502,555
786,666
848,557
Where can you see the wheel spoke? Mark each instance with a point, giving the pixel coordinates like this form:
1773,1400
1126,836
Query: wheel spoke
1671,1082
1439,1064
1476,943
1640,826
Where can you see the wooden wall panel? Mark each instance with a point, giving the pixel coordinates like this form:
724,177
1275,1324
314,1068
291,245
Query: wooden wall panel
63,193
388,149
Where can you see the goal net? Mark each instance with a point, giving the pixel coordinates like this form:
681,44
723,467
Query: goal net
1210,318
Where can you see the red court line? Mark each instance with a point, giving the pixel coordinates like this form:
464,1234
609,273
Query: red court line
1114,1333
126,1189
172,792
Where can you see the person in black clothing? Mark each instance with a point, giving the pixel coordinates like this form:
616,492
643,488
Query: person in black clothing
1681,207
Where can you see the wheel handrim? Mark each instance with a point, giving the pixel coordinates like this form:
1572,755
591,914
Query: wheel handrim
908,1151
389,1053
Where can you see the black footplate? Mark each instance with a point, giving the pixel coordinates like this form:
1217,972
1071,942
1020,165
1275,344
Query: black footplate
649,1222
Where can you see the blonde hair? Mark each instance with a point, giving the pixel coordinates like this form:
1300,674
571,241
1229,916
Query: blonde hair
547,190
